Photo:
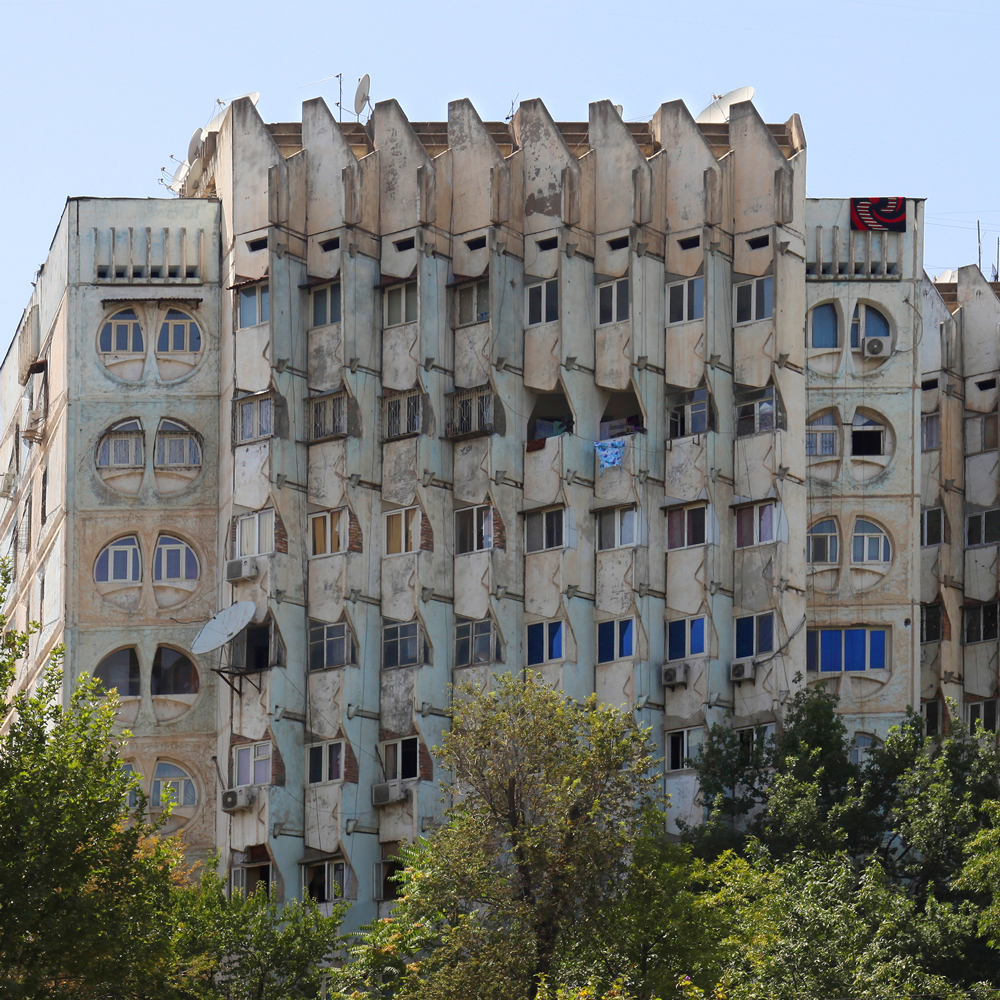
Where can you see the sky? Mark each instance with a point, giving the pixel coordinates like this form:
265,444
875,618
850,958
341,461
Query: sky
893,96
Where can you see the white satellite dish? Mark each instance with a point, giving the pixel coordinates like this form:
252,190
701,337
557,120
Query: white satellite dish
195,172
717,113
194,146
361,96
619,109
226,625
180,175
216,123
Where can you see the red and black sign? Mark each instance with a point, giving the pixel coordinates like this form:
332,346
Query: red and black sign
882,215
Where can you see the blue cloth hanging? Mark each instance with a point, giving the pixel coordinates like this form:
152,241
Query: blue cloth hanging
610,452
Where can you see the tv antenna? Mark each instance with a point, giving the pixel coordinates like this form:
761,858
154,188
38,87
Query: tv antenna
717,113
361,95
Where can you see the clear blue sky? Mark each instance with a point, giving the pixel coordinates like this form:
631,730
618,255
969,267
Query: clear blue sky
895,97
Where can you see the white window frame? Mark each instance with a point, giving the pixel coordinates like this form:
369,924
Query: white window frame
335,874
324,747
924,622
980,711
927,519
405,295
762,535
176,318
330,297
321,634
690,415
765,409
981,433
402,414
258,409
169,543
859,323
417,636
252,753
260,292
832,550
544,295
168,432
557,624
690,535
691,293
157,796
822,436
818,670
327,415
688,624
930,431
984,528
548,529
132,334
623,527
885,546
761,290
622,629
681,745
128,433
477,295
334,525
615,295
480,528
260,534
985,631
410,519
758,649
392,759
476,630
867,424
134,568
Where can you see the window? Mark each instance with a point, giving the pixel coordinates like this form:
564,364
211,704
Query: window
43,497
327,416
474,642
755,300
255,534
402,645
612,302
172,673
132,796
839,649
326,304
325,881
255,304
401,759
256,648
757,411
983,713
177,446
931,623
754,635
867,436
122,446
253,418
543,529
685,637
474,529
822,542
685,300
692,414
871,544
401,304
329,645
402,530
174,560
984,528
930,431
172,783
980,433
473,301
981,622
470,411
325,762
545,642
932,526
755,525
119,562
250,871
822,442
252,764
401,414
120,670
869,320
861,747
615,640
616,528
122,334
686,527
682,745
328,531
932,714
823,326
179,334
543,302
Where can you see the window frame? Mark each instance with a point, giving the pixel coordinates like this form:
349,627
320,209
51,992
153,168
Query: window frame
261,293
688,626
553,634
925,526
168,326
677,747
759,520
548,532
261,417
613,292
885,548
320,636
817,431
478,534
409,530
815,652
253,756
615,515
811,342
858,336
691,300
333,528
259,550
987,623
397,756
751,417
981,518
336,875
681,415
813,536
408,424
471,412
327,415
485,626
761,300
409,296
121,431
157,799
476,288
623,636
325,748
166,435
757,639
135,563
117,318
930,431
987,431
981,710
547,304
688,526
166,543
391,635
327,290
931,625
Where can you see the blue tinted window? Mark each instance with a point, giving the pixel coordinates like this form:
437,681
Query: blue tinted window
765,633
675,640
625,637
697,635
555,641
877,639
824,326
830,649
811,651
744,636
536,643
606,642
854,649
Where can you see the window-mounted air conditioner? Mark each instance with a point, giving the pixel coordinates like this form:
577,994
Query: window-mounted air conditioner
241,569
742,670
236,799
876,347
7,485
675,674
388,792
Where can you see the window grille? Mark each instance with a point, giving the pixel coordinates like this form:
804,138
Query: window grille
328,416
470,412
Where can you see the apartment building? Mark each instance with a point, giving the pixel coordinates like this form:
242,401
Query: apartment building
611,401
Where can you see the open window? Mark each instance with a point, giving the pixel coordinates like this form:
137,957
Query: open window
177,456
256,648
689,412
872,444
121,345
250,871
326,881
121,456
622,416
550,417
758,411
178,345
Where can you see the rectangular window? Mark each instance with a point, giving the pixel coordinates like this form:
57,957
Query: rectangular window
755,525
612,302
473,302
932,526
690,414
984,713
758,411
252,764
685,300
754,635
615,640
616,528
402,530
685,637
470,411
543,529
325,762
545,642
981,622
930,431
253,418
980,433
984,528
327,415
930,623
255,534
686,527
754,300
121,450
402,645
255,304
543,302
329,645
837,649
681,746
474,642
401,304
401,414
401,759
328,531
326,304
325,881
474,529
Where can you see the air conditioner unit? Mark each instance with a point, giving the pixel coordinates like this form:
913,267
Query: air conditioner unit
241,569
675,674
876,347
236,799
8,484
742,670
387,793
34,425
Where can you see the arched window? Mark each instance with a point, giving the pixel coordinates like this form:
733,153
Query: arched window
119,562
871,544
822,542
174,560
821,435
122,334
173,673
177,446
173,783
867,436
179,334
120,670
121,446
824,326
867,322
863,744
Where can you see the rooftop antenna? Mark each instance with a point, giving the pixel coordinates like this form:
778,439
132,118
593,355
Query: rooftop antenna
510,114
361,95
979,239
717,113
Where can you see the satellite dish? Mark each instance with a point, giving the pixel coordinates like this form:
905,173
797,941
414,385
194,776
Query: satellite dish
180,175
717,113
361,97
194,146
194,174
226,625
619,109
